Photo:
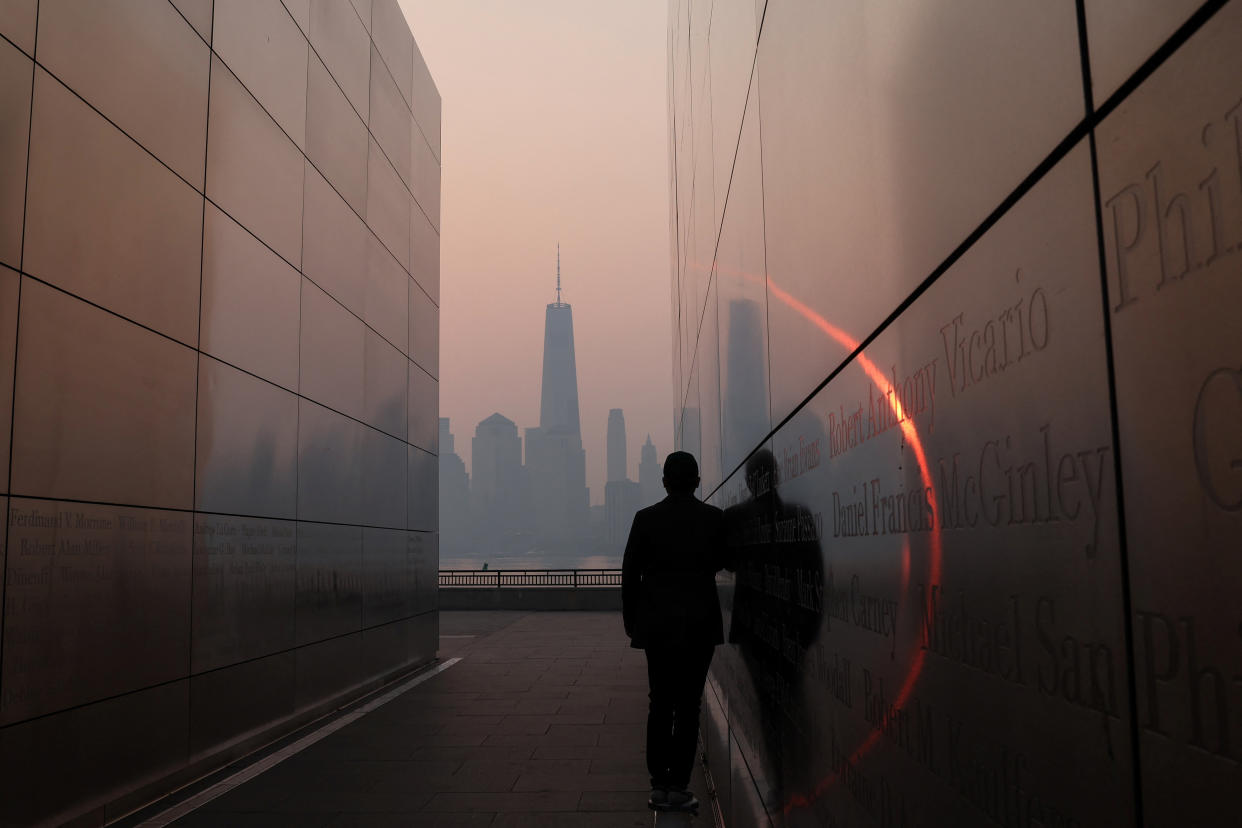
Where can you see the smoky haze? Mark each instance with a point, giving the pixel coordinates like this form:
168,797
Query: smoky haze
554,130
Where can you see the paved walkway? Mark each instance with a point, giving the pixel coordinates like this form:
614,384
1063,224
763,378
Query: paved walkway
540,724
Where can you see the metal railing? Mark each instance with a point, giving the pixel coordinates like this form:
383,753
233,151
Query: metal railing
500,578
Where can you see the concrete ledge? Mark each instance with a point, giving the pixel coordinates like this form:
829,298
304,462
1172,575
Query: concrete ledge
531,598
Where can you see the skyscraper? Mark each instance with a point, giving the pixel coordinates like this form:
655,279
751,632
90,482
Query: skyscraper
744,417
649,475
555,460
558,405
496,480
621,495
454,495
616,445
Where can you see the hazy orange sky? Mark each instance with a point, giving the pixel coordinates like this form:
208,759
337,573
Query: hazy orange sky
554,130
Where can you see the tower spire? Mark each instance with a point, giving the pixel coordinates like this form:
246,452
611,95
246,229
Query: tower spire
558,273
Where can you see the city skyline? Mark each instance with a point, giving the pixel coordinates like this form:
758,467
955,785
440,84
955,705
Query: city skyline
649,454
486,509
583,162
526,490
554,399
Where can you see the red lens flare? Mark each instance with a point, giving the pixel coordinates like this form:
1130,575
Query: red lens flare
911,434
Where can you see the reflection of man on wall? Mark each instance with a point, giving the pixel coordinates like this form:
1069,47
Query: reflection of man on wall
774,546
671,611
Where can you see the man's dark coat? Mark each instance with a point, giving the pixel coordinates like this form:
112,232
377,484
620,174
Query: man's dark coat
668,582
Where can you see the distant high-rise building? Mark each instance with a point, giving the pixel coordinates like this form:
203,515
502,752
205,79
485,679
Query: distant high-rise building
496,484
558,404
455,532
616,445
744,418
650,488
446,443
691,436
555,460
621,495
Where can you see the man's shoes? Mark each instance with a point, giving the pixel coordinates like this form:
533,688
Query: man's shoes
658,801
682,801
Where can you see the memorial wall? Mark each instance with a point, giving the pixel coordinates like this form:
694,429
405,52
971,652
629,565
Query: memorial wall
956,289
219,279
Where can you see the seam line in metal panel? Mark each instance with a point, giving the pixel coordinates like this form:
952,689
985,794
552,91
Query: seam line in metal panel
194,28
753,779
405,501
189,510
198,375
17,327
1123,552
297,416
1158,57
267,763
169,682
7,40
713,788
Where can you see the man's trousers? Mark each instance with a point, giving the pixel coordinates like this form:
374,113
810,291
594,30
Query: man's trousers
676,676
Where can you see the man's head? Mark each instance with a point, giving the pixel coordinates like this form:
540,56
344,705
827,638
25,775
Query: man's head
681,473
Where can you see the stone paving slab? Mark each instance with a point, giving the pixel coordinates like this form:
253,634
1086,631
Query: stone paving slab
540,725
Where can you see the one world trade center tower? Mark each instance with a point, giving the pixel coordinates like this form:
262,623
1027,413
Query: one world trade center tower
555,461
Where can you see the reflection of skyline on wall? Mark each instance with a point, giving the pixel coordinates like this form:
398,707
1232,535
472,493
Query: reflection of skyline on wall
978,262
994,255
744,413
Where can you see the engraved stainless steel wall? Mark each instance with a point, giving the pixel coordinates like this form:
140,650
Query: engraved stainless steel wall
1170,169
219,273
955,294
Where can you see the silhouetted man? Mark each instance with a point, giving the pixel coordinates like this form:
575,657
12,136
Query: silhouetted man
669,603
